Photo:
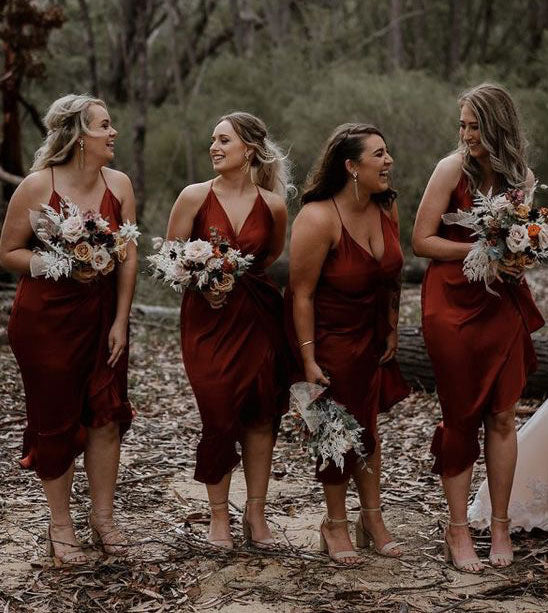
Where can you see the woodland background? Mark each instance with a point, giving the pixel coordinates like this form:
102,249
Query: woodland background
169,68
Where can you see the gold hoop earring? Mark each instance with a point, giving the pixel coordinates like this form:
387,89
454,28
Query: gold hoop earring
246,166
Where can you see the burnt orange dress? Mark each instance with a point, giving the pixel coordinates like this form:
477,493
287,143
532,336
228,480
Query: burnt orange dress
351,325
58,331
479,344
236,356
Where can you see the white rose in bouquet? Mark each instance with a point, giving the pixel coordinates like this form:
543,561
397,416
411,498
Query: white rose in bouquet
543,236
517,239
100,258
73,228
198,251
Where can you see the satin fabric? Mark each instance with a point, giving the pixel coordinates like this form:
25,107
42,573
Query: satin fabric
351,326
58,331
479,344
236,356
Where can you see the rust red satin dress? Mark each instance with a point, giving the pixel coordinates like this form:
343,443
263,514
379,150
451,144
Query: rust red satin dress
235,357
58,331
351,325
479,344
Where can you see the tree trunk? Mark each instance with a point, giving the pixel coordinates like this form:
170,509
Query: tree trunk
455,34
396,39
417,369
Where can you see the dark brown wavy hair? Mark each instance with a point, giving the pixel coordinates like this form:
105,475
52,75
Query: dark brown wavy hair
330,175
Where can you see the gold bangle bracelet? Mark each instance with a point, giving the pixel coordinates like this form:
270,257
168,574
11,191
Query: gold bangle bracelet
305,343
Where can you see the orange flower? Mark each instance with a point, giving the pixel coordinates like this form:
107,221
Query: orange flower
533,230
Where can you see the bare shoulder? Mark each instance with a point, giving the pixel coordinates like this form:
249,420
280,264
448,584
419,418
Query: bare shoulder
318,217
275,202
116,178
35,189
449,169
194,194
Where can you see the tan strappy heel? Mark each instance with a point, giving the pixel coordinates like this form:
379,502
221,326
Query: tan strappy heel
364,538
324,547
227,543
71,558
462,565
100,532
500,560
266,543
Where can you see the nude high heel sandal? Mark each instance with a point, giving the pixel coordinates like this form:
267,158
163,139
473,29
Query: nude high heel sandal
463,564
501,560
324,547
364,538
227,543
266,543
75,558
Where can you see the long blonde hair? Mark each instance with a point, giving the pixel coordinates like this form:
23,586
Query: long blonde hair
269,166
500,133
67,118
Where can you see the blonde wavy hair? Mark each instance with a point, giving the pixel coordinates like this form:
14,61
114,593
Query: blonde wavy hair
500,133
270,168
67,118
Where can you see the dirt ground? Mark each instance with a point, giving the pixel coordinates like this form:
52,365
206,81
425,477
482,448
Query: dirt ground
164,513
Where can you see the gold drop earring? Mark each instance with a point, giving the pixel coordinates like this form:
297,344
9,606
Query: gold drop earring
81,155
355,179
246,165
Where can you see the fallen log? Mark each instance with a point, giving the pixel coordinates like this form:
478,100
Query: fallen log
416,368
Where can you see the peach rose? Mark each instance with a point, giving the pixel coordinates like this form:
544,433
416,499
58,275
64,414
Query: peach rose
84,275
523,211
225,285
83,251
108,268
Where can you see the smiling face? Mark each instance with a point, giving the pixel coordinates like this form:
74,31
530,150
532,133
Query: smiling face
227,150
469,132
99,143
374,165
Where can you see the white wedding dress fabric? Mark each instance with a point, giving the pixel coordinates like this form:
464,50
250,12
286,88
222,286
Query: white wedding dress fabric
528,506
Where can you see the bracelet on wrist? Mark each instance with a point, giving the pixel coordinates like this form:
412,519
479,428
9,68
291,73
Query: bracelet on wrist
304,343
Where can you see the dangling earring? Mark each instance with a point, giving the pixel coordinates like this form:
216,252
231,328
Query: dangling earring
246,164
355,179
81,154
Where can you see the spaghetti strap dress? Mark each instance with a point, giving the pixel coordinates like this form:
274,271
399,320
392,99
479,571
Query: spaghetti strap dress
58,332
479,345
235,357
351,325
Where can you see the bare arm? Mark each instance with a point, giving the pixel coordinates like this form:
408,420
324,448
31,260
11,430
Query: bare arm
312,237
426,242
17,232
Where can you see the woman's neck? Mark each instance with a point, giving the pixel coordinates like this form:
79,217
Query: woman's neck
347,197
235,181
84,178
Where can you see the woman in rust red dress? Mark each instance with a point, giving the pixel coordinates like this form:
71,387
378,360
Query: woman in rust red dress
234,350
479,343
70,336
345,263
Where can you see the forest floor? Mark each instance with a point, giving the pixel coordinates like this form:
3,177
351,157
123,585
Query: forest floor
165,514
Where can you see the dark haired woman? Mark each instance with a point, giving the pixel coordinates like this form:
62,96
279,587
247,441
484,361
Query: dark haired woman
479,343
234,350
345,263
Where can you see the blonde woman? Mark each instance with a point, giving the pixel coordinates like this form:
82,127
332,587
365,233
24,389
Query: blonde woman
70,336
234,350
479,343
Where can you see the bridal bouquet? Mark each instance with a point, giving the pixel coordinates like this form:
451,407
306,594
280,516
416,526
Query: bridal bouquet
511,230
204,266
77,243
332,430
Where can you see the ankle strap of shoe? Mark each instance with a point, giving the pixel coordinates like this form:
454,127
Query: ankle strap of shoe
331,520
506,520
218,505
256,500
370,509
458,524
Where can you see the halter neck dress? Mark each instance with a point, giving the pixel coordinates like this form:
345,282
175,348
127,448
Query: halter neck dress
58,332
351,325
479,344
235,357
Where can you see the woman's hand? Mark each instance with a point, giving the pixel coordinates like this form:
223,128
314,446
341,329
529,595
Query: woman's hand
117,340
391,347
314,374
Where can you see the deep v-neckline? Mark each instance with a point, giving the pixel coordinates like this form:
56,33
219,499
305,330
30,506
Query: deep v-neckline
220,204
361,247
99,210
